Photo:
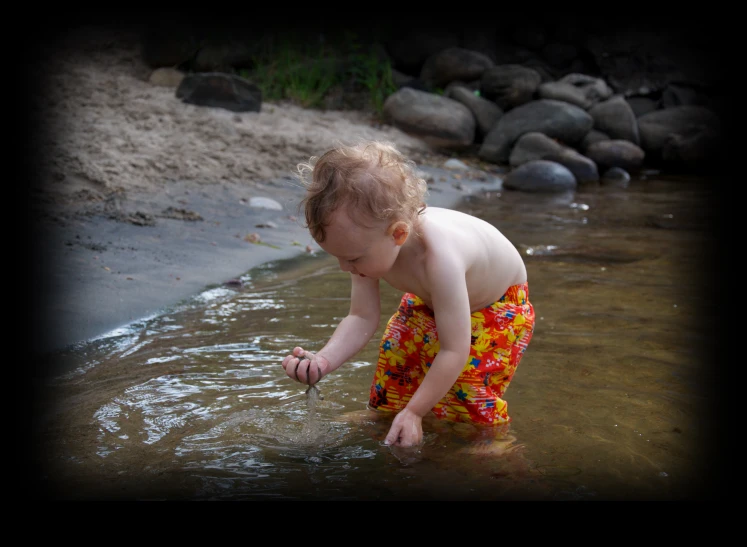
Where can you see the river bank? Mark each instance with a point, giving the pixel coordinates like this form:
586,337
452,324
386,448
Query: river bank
142,200
99,272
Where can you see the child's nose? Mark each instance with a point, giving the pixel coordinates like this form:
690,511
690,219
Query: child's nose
345,265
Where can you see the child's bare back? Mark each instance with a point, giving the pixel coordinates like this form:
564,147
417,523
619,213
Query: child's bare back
491,262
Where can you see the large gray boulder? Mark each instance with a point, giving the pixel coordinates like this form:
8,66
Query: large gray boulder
454,64
616,118
616,153
509,86
583,168
541,176
532,146
594,89
556,119
642,105
657,128
486,112
220,90
536,146
590,138
562,91
439,121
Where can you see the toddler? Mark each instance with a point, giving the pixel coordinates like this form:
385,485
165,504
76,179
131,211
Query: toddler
464,321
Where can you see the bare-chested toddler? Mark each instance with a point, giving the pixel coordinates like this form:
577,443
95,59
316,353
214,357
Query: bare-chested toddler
464,321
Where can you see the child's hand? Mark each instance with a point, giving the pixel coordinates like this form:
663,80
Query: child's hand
305,367
406,430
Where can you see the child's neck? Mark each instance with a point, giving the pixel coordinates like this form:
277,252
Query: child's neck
412,252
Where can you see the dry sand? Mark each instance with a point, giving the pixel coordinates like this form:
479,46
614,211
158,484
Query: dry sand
108,129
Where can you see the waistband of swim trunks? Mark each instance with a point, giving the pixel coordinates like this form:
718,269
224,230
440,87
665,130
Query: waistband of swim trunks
516,294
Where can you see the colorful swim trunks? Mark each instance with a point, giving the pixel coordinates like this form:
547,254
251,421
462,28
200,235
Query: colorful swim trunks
500,334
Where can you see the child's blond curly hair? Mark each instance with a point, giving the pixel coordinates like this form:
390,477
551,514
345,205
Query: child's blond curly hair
373,179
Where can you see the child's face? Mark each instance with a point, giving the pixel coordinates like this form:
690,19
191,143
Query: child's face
368,251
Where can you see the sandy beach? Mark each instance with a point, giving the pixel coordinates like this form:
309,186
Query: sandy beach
144,200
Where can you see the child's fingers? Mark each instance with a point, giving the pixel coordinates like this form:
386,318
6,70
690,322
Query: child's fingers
314,373
290,364
304,371
393,436
302,367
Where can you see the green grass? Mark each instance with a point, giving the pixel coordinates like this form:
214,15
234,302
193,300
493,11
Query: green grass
306,74
374,74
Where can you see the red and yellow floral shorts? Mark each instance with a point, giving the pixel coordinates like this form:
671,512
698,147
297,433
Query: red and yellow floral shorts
500,334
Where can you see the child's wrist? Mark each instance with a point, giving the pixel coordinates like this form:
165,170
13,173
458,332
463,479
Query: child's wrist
412,410
324,364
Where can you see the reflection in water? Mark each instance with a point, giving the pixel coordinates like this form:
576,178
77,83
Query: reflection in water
194,404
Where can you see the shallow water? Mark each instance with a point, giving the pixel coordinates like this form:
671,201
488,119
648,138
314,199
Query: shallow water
611,400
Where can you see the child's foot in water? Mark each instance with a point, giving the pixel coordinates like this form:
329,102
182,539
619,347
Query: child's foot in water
501,446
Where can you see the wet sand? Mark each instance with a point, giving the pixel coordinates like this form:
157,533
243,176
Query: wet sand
99,271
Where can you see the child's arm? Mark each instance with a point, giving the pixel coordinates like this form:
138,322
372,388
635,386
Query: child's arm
350,336
451,306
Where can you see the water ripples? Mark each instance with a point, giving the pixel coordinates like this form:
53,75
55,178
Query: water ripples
195,402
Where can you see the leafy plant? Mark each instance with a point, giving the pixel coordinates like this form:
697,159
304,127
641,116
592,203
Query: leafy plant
293,74
374,74
304,73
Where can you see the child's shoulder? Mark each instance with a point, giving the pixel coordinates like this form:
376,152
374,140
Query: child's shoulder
450,229
432,212
444,216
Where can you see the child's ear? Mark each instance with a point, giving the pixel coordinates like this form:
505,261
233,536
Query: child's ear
399,230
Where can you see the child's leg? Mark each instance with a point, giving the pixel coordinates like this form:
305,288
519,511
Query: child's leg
399,368
500,334
409,344
491,452
487,440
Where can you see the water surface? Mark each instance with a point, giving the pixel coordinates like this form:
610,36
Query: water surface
611,400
